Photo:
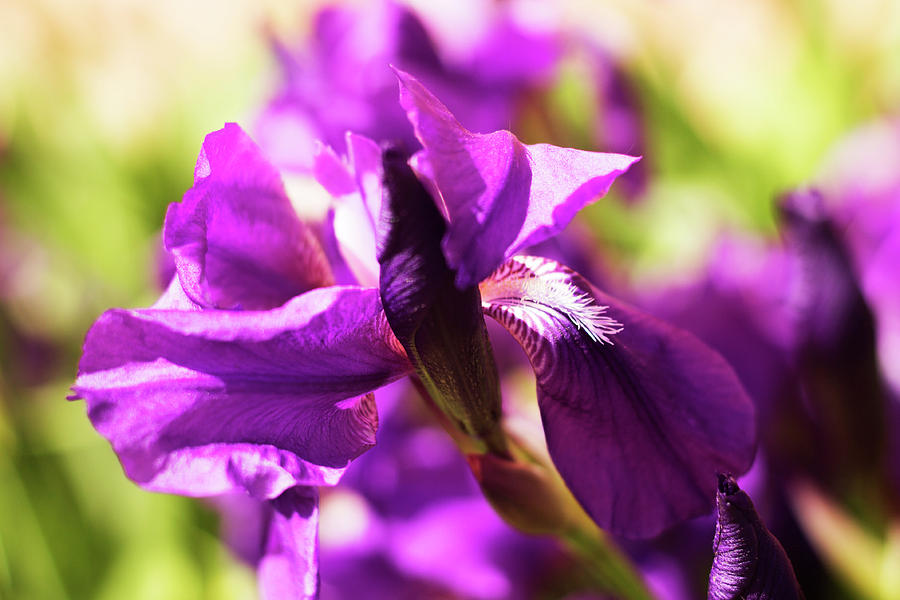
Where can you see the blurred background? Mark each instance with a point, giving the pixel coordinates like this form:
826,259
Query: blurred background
104,105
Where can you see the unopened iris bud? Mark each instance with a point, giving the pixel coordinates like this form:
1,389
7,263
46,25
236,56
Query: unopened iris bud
749,561
440,326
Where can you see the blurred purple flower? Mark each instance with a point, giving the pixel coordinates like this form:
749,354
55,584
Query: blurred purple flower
794,320
618,126
28,356
861,188
340,81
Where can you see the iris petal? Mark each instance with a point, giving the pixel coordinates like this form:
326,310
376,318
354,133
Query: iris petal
638,427
882,287
236,239
355,184
500,195
206,402
289,565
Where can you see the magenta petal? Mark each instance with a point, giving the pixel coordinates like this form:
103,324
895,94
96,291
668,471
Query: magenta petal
331,172
236,239
208,402
355,184
174,298
499,194
882,287
638,421
289,565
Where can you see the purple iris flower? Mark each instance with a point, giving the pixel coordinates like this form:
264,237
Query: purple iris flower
498,196
749,561
253,374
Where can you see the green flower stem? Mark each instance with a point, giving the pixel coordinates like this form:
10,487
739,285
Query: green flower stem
611,571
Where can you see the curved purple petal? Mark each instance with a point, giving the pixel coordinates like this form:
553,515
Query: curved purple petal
289,565
331,172
236,239
207,402
638,418
499,194
749,561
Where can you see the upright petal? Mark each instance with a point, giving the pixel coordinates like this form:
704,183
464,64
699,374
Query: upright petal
639,417
499,194
749,561
208,402
355,184
236,239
